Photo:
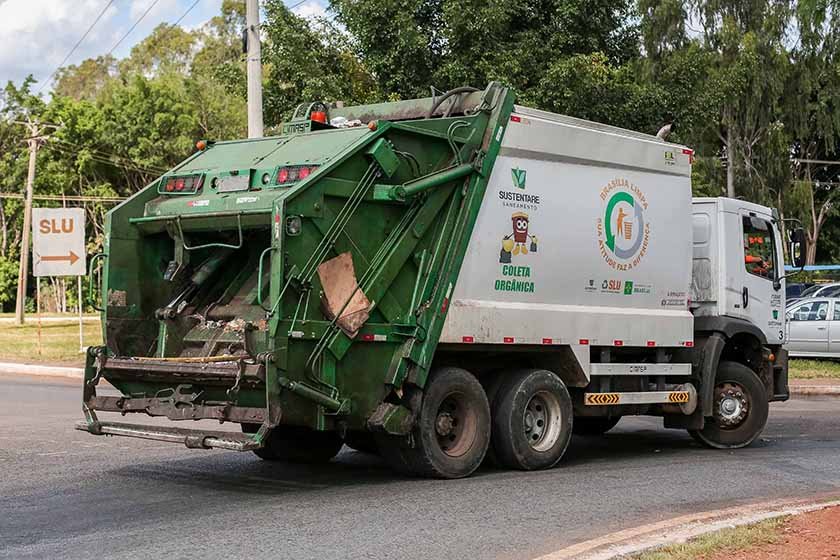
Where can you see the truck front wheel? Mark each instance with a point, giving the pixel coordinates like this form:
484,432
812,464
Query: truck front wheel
532,420
740,409
453,429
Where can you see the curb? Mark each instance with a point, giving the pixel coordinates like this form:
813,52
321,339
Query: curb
813,391
44,371
683,528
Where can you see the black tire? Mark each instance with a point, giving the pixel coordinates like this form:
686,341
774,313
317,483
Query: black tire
532,420
739,424
491,381
453,428
594,425
297,445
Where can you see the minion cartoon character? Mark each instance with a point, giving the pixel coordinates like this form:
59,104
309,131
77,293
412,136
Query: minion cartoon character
517,241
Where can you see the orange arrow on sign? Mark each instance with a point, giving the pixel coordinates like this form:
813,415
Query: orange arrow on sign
72,257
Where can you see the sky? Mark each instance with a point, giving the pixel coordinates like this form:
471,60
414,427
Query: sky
37,34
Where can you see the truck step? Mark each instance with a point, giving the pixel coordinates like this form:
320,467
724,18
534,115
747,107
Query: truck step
645,397
639,369
196,439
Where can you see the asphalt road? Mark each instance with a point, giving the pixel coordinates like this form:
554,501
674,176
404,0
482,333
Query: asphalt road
67,494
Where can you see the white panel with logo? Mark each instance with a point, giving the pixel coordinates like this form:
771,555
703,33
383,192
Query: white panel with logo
583,237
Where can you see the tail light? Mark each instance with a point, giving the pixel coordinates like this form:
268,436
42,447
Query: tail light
187,184
294,173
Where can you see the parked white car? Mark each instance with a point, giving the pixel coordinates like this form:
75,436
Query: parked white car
813,328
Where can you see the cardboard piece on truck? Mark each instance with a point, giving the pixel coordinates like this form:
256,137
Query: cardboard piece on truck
58,242
338,278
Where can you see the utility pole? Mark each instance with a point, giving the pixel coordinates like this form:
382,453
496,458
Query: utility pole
34,140
255,106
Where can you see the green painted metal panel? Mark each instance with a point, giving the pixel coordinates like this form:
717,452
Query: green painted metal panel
401,200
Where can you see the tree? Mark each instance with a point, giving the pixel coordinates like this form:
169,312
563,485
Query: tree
306,62
86,80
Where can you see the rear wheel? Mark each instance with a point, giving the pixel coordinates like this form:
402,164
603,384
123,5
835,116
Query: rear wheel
594,425
297,445
453,428
740,409
532,420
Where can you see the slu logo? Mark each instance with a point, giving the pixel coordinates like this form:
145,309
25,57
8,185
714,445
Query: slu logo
518,177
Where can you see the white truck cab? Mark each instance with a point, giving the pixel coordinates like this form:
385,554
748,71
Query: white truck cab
742,281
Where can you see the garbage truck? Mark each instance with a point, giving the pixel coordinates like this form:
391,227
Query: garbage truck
442,281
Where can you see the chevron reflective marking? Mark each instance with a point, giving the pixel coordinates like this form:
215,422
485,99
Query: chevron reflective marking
600,399
645,397
678,397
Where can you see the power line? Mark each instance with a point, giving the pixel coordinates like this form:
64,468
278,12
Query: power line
79,42
136,23
62,198
67,150
110,155
302,2
180,19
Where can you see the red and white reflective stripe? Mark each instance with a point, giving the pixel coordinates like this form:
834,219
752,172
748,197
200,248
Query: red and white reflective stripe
618,343
583,341
374,337
468,339
548,341
515,118
444,305
651,343
508,340
688,343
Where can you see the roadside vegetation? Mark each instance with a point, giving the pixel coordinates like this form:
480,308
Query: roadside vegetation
814,369
724,542
752,87
59,342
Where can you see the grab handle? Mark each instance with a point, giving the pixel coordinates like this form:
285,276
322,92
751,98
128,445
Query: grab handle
93,259
208,245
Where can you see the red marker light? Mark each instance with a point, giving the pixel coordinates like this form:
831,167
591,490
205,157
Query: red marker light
304,173
283,175
170,185
179,184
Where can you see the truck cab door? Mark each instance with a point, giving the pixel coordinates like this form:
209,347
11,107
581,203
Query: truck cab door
753,265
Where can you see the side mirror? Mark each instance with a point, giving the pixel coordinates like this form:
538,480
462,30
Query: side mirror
796,249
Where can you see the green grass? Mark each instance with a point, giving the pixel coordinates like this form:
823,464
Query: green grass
59,341
726,540
814,369
32,317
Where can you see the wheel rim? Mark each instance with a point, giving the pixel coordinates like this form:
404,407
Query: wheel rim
732,405
542,421
456,424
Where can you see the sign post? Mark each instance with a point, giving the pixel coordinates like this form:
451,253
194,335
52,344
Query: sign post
58,246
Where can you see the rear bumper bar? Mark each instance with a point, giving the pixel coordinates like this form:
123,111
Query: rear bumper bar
194,439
